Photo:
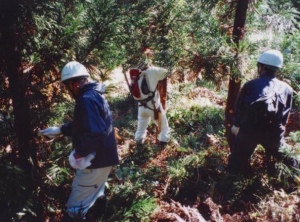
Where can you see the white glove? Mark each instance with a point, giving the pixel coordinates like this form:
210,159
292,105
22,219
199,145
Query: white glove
51,132
82,162
235,129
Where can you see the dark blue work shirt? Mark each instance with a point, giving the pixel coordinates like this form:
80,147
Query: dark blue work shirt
92,127
265,87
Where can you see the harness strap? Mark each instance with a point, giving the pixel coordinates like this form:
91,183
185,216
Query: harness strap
145,105
148,98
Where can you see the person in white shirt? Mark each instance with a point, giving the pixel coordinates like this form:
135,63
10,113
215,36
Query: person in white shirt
150,107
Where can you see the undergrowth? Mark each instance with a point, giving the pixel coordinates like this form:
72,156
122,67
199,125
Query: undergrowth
189,170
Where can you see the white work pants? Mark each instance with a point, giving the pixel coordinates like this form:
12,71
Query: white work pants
87,186
145,115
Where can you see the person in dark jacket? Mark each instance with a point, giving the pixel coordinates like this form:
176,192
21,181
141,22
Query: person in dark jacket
93,139
261,114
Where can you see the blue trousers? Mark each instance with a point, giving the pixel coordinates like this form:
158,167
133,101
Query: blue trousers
247,139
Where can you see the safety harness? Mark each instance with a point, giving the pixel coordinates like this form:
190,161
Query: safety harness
150,98
135,90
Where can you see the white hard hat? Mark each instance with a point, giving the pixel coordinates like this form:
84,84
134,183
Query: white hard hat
272,58
72,70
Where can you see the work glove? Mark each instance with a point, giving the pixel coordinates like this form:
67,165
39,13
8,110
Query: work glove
235,129
51,132
82,162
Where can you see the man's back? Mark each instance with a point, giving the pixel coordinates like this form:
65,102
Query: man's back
262,101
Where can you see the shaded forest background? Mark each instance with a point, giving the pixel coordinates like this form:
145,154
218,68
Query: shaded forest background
210,49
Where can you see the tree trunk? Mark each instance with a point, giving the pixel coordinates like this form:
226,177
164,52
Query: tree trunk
11,66
162,89
234,82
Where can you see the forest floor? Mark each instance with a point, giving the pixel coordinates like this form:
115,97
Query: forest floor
179,208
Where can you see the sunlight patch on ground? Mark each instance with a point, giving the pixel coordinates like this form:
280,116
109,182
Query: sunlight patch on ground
117,82
198,101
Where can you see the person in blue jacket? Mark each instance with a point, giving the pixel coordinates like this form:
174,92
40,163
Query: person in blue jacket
261,115
93,138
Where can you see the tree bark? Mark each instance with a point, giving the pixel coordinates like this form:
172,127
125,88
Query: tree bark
162,89
11,66
234,82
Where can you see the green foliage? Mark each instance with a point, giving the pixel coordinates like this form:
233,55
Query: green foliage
141,210
158,25
291,67
120,105
18,196
103,34
59,169
197,121
295,136
57,174
181,169
176,170
130,199
241,188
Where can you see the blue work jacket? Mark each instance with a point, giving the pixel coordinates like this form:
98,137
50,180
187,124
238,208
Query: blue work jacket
266,87
92,127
